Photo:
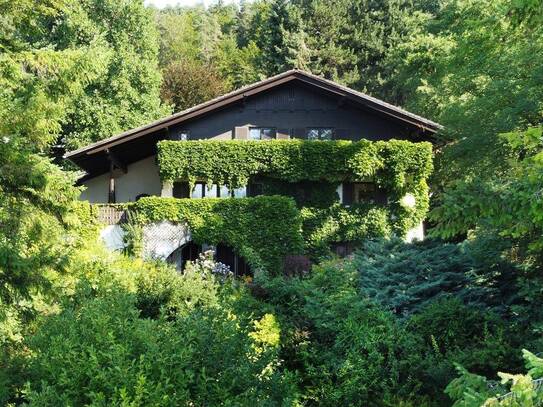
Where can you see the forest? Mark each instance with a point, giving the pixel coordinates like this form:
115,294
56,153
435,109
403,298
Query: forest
454,320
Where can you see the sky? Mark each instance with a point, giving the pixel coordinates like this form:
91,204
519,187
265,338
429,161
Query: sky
164,3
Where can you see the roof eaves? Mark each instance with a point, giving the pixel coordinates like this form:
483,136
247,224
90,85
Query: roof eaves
178,115
294,73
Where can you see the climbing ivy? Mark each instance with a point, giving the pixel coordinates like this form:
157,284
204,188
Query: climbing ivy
394,165
262,229
309,172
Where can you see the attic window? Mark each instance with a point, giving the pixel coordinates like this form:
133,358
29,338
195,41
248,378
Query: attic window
319,133
183,135
262,133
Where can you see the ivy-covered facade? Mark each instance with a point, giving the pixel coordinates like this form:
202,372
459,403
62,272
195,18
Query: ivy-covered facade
291,166
345,191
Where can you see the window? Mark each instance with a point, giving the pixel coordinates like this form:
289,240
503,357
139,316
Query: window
262,133
368,192
240,192
198,191
180,190
224,192
202,190
319,133
183,135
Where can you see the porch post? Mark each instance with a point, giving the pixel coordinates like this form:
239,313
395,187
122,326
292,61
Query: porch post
111,195
167,189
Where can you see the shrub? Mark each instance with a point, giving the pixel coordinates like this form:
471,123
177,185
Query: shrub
405,277
471,390
345,350
322,227
454,333
103,352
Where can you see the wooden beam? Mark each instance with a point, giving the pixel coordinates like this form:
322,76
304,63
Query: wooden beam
115,161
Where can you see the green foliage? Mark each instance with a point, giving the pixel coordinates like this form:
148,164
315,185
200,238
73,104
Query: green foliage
345,350
126,95
138,331
508,203
283,39
454,333
186,84
473,68
473,390
354,43
262,229
162,291
396,165
128,332
469,66
110,355
179,37
339,224
472,336
41,221
305,193
407,277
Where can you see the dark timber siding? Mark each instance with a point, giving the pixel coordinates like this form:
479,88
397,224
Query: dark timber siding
294,108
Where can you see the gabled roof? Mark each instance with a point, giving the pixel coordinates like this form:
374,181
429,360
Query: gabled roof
255,88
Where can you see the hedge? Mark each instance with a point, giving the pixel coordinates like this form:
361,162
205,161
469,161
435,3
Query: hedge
262,229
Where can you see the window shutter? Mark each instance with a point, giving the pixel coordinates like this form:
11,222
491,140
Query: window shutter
341,134
348,193
299,133
282,134
254,189
181,190
241,133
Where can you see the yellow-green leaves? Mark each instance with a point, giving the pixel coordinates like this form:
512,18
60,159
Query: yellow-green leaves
394,163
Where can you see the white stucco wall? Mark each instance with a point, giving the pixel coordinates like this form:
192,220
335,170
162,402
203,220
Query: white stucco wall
141,178
112,236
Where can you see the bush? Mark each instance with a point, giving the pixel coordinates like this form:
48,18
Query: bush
103,351
454,333
471,390
405,277
262,229
345,350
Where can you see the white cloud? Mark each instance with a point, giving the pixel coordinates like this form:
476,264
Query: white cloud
164,3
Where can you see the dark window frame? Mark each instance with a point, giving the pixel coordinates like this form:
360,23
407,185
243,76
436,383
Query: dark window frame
273,130
319,129
368,192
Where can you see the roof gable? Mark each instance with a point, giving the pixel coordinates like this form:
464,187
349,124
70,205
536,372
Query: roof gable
317,82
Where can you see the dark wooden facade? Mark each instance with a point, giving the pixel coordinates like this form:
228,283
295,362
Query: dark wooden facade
292,109
290,102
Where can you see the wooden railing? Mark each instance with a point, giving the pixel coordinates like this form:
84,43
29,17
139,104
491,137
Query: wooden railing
110,214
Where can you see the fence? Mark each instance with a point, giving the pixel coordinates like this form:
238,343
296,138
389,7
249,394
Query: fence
111,215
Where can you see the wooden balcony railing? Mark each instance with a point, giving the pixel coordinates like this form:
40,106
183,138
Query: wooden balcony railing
111,215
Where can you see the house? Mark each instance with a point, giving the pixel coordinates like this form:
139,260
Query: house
291,107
